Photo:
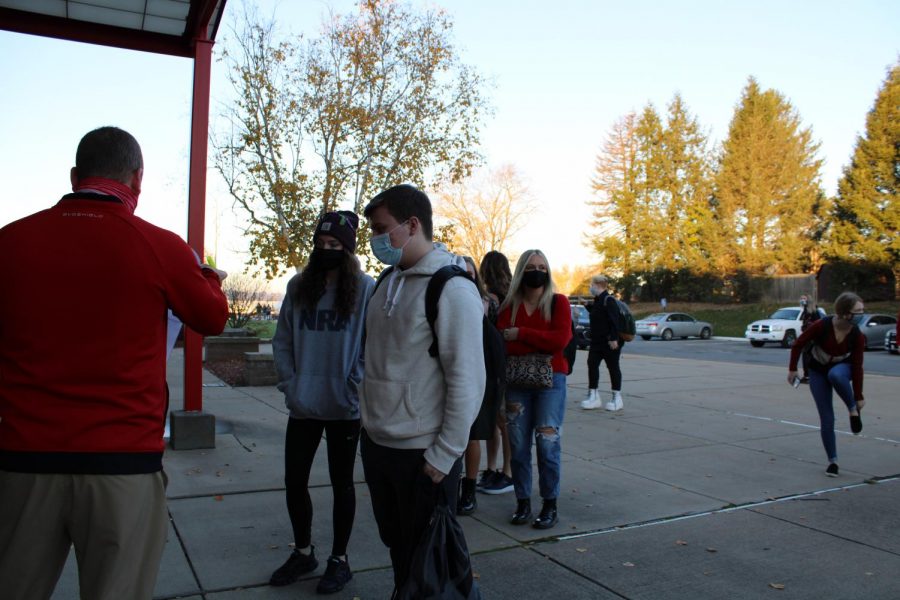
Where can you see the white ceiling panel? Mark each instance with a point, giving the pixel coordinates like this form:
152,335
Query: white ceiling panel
171,9
163,25
136,6
106,16
56,8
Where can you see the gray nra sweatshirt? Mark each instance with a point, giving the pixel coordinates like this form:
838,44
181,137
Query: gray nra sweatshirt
409,399
319,355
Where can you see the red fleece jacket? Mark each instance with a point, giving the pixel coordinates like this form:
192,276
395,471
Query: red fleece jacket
86,287
538,335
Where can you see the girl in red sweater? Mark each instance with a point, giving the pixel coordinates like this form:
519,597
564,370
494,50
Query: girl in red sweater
836,364
535,320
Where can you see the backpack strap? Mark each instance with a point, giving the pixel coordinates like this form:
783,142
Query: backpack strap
433,294
381,277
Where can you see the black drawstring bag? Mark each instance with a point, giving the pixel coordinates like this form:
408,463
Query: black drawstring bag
440,567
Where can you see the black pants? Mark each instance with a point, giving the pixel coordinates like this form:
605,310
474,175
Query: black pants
301,443
403,498
603,353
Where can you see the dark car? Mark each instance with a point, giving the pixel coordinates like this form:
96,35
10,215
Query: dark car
581,319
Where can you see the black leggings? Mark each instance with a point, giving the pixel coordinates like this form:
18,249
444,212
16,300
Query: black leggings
595,355
301,443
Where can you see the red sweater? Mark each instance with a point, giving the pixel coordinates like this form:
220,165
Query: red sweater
538,335
86,287
830,345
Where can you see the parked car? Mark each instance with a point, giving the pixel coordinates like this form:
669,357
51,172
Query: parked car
782,326
581,318
875,328
890,342
670,325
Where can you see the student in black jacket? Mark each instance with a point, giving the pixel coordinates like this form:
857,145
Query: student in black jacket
605,346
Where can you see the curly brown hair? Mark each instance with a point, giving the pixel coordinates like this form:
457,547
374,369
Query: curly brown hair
495,273
311,286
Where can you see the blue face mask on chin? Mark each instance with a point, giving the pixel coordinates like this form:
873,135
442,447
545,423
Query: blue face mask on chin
384,251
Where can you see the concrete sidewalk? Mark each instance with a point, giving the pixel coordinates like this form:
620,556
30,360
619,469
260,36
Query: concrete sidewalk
710,484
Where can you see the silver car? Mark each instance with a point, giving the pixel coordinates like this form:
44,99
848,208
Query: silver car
875,328
670,325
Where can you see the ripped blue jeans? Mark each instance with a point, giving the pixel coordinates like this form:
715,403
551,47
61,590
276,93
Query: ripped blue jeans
538,415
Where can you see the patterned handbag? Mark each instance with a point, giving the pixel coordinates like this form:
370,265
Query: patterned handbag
530,371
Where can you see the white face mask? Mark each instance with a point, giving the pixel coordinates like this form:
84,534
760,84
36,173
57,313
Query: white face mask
595,291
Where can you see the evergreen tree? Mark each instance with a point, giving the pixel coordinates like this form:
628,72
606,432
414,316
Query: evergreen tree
684,187
653,181
767,186
865,216
650,202
615,187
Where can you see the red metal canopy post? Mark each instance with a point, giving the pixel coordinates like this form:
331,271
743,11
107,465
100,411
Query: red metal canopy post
193,341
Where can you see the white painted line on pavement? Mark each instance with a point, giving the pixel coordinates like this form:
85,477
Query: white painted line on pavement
724,510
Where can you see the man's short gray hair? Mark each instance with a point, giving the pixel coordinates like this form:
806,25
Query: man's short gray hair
108,152
600,279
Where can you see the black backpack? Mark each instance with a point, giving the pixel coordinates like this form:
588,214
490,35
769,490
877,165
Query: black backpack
491,339
571,349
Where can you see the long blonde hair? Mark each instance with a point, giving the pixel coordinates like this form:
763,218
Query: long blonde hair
515,295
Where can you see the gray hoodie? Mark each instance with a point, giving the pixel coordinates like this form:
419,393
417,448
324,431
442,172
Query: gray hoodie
409,399
319,355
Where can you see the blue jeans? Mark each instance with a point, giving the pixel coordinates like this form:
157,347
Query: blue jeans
527,413
821,385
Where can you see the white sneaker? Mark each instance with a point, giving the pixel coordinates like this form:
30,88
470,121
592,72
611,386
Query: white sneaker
592,401
616,402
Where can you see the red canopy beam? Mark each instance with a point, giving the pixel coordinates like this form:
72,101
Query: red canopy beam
95,33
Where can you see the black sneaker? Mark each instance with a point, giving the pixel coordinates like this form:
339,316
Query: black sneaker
487,476
296,565
832,470
467,502
337,574
500,485
855,424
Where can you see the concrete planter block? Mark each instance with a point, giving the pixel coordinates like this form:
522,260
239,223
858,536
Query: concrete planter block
236,332
259,369
191,430
220,348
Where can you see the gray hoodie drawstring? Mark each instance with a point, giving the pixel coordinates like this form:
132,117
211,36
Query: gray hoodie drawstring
392,296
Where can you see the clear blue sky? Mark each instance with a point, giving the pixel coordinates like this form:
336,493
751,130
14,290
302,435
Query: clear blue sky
563,72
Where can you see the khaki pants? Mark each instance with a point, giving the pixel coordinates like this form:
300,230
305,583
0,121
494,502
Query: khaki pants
117,523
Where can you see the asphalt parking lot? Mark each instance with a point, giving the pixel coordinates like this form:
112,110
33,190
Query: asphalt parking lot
739,350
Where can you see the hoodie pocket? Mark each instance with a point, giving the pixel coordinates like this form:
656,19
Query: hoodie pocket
321,397
387,410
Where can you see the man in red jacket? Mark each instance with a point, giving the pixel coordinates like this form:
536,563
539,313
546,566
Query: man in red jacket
83,312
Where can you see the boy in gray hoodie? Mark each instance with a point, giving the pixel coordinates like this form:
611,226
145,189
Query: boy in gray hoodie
416,409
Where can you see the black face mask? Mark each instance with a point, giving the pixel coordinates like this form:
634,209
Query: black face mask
325,259
534,279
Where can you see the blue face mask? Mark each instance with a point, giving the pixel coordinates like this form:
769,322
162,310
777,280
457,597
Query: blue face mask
856,319
384,251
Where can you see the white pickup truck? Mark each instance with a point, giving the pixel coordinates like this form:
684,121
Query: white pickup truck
782,326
